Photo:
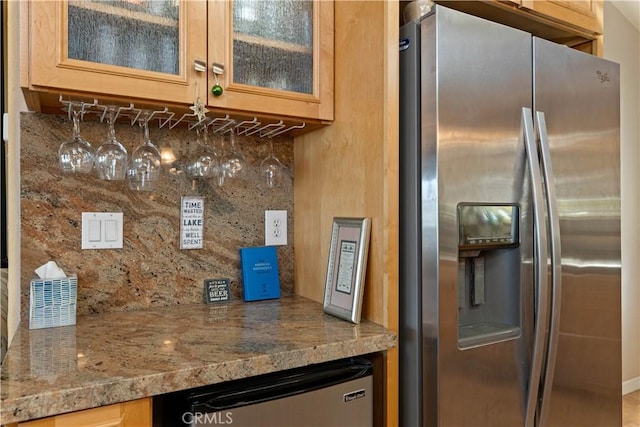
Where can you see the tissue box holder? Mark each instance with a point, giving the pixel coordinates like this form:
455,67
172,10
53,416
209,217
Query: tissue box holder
53,302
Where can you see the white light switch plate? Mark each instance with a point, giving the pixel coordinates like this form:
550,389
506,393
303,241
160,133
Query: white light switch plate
275,228
102,230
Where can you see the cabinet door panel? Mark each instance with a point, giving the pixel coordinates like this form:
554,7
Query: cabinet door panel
135,413
582,14
273,56
118,48
277,56
143,36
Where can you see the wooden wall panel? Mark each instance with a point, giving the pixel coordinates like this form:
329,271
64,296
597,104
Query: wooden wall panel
350,168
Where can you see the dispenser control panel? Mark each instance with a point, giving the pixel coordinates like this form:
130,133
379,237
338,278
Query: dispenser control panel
485,226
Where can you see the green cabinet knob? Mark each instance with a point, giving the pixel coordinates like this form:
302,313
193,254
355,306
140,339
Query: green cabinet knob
216,90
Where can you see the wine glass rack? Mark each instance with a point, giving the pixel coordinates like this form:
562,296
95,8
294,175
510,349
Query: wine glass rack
164,118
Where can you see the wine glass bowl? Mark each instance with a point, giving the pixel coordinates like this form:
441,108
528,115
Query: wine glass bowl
234,164
145,165
111,157
76,155
271,169
203,162
111,162
144,170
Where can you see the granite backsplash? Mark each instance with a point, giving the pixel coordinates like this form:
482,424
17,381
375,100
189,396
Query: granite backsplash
150,269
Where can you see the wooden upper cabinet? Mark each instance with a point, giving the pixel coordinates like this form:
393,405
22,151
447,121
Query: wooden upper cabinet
134,50
577,24
585,15
275,57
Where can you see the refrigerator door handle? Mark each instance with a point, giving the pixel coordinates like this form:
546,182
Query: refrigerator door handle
556,266
540,243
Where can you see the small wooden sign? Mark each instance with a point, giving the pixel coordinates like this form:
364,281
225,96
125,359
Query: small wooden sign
217,290
191,222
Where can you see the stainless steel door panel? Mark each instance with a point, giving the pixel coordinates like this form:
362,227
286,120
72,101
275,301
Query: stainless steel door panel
483,80
579,95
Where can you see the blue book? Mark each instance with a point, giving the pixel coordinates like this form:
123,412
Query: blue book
260,275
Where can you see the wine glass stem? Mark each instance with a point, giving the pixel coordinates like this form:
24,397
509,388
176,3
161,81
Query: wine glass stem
76,124
147,140
112,128
232,141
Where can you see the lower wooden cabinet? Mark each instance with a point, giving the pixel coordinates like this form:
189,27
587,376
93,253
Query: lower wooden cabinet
136,413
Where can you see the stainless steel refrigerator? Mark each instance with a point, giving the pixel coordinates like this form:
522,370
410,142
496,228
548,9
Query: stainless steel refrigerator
509,229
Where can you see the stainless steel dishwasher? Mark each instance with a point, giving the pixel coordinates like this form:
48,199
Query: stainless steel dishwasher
331,394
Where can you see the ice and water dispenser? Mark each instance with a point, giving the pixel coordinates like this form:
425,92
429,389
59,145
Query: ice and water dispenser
488,273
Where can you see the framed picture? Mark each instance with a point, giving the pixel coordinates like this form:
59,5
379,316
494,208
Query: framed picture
347,267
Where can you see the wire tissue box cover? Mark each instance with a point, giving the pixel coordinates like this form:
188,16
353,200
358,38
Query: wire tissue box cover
53,302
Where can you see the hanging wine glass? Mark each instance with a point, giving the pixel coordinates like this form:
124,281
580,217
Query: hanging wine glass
234,164
203,162
144,168
271,168
111,156
179,164
76,155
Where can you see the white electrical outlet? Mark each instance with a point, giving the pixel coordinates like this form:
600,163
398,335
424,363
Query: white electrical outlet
275,228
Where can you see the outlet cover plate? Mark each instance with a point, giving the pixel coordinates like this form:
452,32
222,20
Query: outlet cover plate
275,228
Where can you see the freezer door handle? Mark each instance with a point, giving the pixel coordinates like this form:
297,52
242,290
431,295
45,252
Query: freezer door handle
556,265
540,243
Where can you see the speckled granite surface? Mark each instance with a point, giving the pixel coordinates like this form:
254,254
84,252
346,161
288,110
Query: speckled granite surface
119,356
150,270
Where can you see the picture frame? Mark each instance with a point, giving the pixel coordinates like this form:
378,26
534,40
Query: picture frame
346,267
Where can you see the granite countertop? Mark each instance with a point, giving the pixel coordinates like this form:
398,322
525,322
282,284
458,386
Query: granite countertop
115,357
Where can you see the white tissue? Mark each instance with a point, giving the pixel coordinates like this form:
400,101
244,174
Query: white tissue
50,270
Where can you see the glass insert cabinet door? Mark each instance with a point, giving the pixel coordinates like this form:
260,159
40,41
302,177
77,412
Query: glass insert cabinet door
273,44
275,56
138,48
129,33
